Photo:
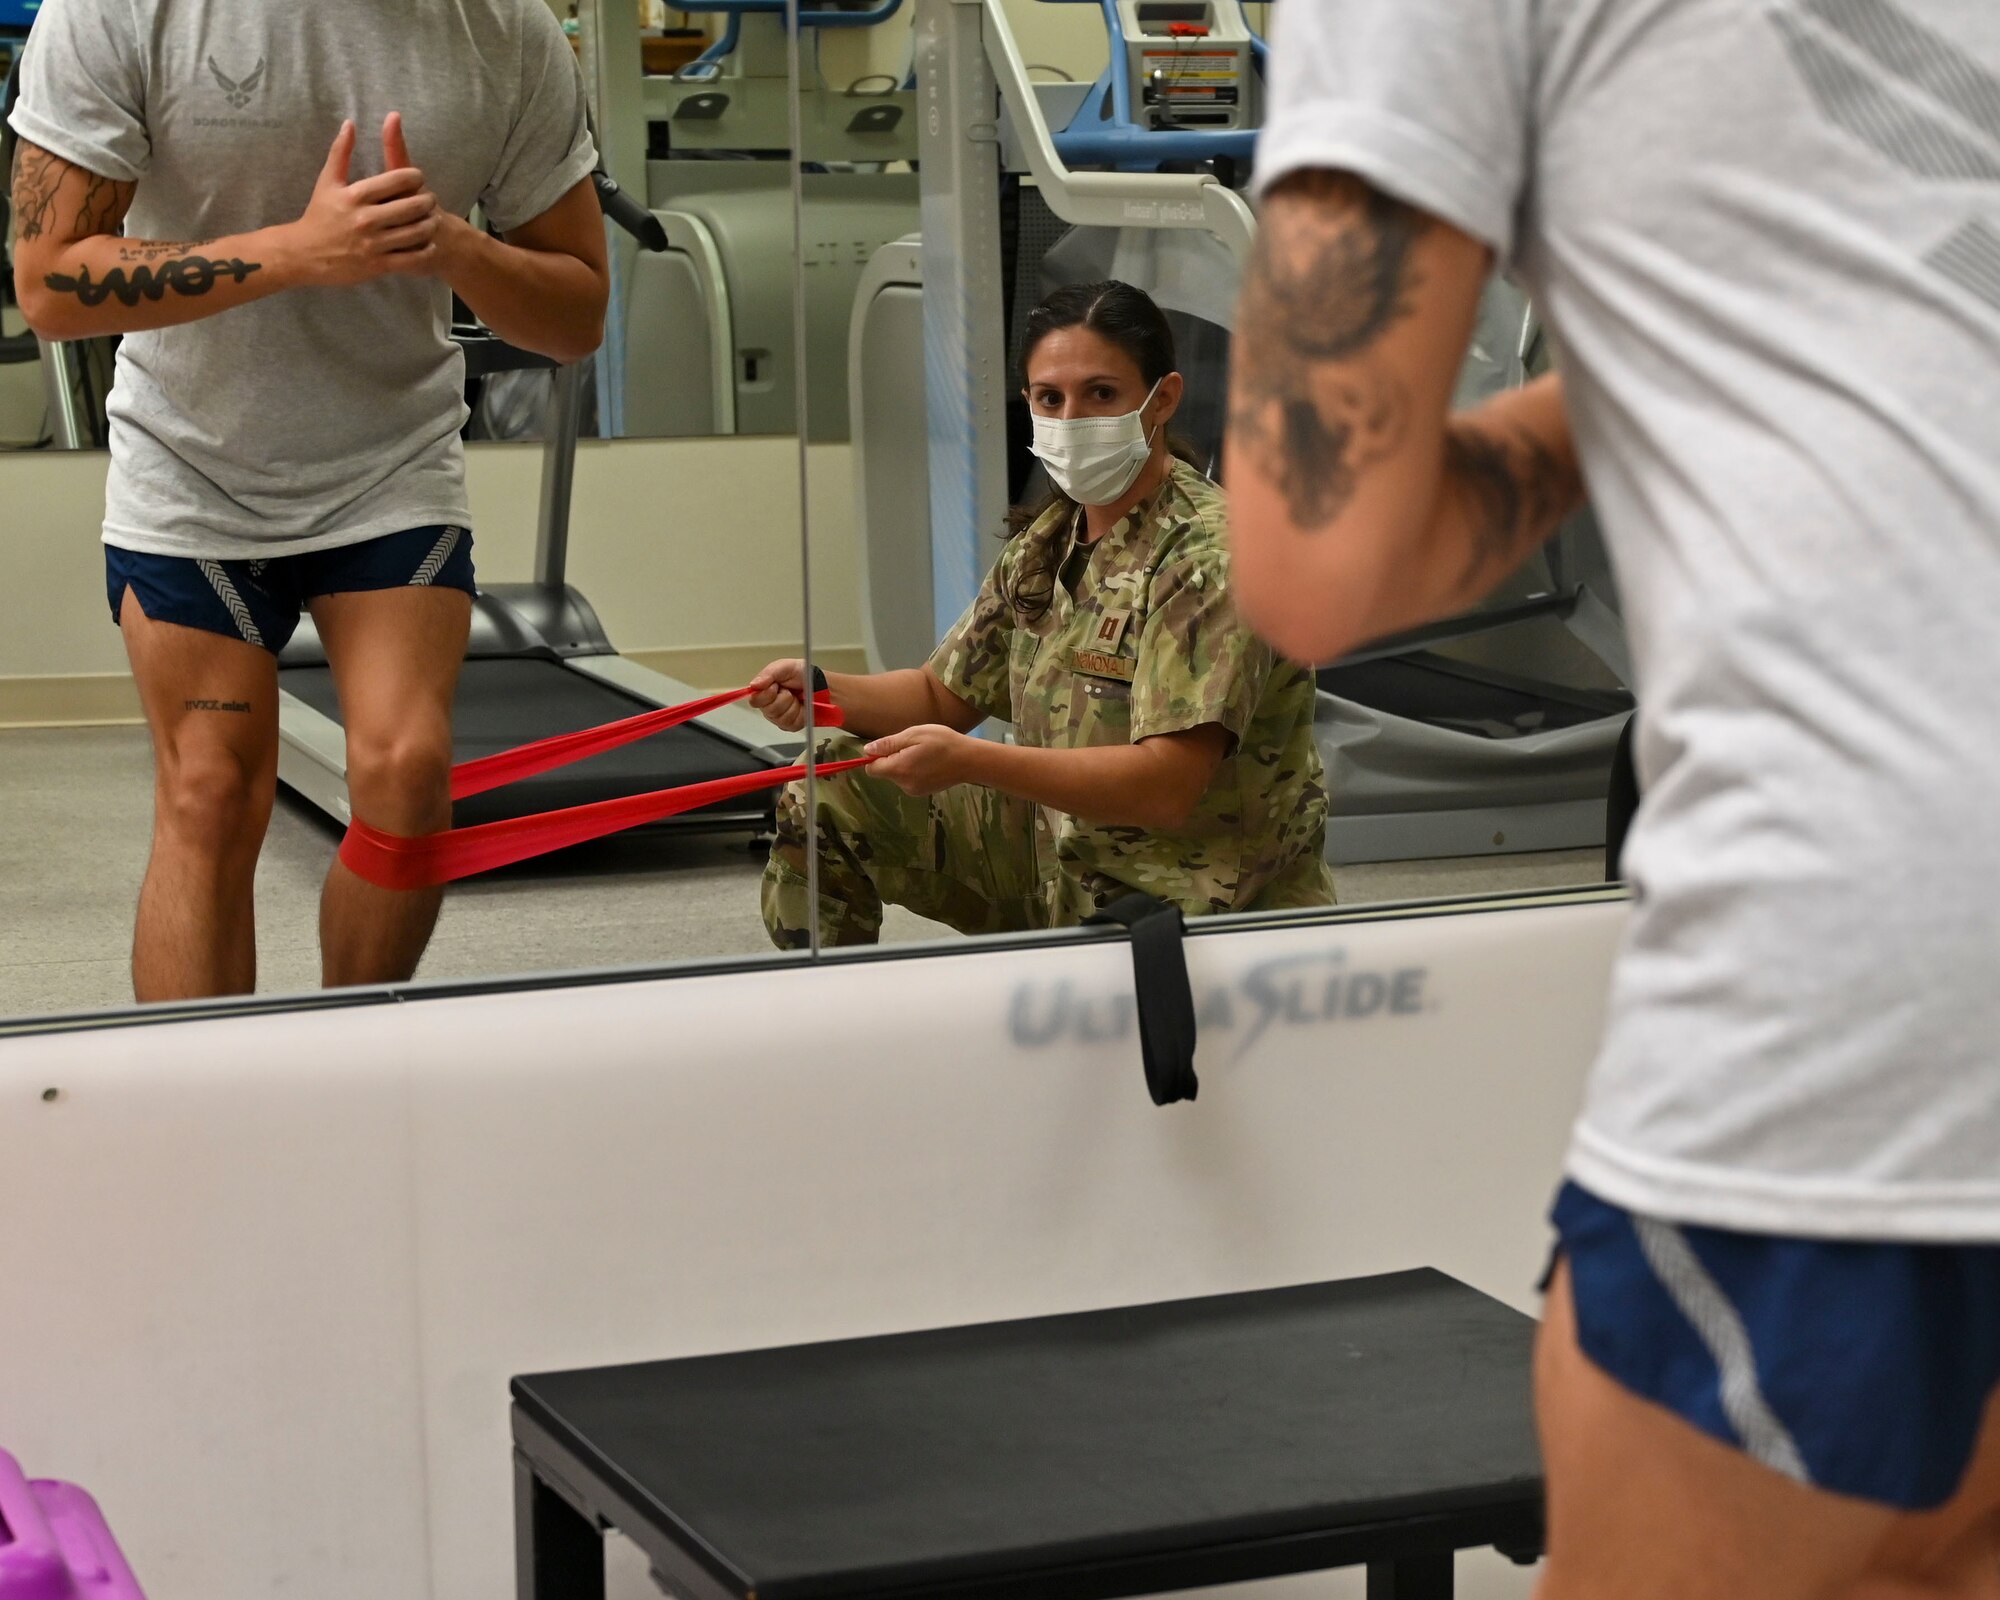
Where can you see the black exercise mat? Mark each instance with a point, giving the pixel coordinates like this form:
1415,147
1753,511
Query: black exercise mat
512,701
868,1466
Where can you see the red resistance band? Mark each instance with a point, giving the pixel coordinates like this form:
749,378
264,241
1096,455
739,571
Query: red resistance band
394,861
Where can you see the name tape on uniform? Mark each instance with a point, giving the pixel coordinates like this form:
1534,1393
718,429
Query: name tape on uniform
1096,664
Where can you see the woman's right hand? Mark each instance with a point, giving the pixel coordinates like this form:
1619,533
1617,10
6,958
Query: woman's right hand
779,691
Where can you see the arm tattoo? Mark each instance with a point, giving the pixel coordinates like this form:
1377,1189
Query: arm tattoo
38,181
1327,280
1514,491
190,275
37,177
150,250
104,204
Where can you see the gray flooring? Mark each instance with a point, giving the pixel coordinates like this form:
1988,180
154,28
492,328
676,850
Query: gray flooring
76,813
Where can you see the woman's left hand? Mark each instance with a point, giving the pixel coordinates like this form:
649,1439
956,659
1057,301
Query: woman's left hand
921,761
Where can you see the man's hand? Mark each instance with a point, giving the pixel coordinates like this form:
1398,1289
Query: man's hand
354,233
779,691
922,761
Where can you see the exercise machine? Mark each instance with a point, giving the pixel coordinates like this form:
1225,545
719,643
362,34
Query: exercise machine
700,339
539,662
1487,733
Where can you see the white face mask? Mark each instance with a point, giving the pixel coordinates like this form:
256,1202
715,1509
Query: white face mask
1094,460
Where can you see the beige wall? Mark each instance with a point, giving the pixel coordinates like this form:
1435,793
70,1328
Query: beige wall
683,546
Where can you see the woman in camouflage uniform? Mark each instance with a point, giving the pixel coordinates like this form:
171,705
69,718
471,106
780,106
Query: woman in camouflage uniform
1158,744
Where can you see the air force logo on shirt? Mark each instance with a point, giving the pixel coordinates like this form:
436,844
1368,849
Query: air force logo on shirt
237,93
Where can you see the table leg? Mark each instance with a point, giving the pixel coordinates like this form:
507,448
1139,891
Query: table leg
558,1552
1424,1577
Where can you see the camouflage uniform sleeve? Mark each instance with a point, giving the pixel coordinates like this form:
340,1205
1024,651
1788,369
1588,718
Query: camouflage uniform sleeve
974,660
1197,663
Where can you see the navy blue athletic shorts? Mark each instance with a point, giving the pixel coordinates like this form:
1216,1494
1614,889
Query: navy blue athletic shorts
1860,1368
260,602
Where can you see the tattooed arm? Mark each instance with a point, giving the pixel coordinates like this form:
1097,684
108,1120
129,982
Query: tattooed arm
1359,505
76,278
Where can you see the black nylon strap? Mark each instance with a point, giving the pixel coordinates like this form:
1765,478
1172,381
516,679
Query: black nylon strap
1166,999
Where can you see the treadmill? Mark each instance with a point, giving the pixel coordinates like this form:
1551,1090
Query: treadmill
539,663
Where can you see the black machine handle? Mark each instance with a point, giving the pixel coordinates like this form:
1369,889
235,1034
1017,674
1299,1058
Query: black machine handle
622,209
1165,997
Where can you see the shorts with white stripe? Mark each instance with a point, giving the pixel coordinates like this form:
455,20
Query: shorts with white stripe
1858,1367
261,601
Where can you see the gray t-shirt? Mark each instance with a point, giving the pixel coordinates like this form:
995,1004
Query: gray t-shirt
1767,238
318,417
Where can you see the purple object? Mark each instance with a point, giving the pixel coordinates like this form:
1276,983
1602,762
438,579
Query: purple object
54,1544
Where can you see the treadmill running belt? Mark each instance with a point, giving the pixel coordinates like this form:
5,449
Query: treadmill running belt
507,702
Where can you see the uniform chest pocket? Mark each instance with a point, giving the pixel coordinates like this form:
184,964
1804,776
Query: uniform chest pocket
1100,708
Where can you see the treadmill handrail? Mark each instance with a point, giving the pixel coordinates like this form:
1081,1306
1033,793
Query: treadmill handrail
1109,199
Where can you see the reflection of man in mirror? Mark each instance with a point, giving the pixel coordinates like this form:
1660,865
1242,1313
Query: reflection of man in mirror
285,421
1158,745
1767,238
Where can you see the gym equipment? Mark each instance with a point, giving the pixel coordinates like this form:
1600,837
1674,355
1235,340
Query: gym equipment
539,664
54,1543
399,861
1381,1422
700,341
387,1203
1491,732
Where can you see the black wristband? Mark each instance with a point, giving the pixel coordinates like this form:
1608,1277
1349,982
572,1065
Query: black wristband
819,681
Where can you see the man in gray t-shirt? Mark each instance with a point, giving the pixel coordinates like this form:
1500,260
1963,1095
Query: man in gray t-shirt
1767,239
285,421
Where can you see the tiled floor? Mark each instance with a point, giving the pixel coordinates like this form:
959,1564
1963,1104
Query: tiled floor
76,810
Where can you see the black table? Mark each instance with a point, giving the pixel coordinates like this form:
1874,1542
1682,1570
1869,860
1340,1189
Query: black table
1381,1421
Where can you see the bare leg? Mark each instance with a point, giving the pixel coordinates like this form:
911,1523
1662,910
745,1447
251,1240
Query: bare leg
1644,1507
395,655
212,706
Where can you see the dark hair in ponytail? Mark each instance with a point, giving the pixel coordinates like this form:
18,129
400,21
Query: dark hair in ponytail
1123,316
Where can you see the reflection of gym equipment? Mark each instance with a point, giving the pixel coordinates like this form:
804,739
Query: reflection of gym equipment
1485,733
702,332
708,341
538,663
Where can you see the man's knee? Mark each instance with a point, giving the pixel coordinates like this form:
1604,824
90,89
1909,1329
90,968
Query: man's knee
400,780
214,801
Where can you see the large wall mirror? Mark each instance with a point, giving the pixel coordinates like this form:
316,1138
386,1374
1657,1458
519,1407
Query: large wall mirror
617,575
1069,142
